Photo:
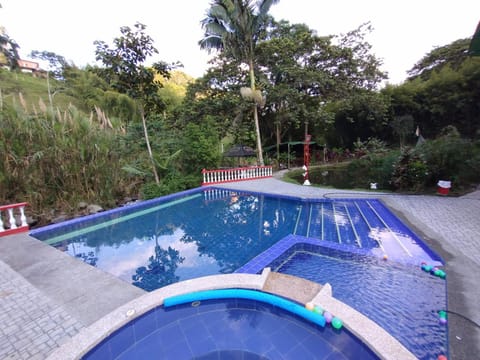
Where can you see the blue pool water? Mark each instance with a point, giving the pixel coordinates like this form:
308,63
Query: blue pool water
198,233
212,231
228,329
402,299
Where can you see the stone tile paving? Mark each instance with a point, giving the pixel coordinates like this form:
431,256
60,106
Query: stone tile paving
31,325
457,220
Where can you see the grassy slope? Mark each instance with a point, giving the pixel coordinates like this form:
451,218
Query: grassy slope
33,90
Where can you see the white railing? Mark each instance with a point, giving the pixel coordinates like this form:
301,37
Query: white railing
9,214
236,174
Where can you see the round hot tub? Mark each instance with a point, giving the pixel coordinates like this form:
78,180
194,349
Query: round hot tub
255,327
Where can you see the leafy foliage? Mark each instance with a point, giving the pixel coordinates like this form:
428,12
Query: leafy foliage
449,95
234,27
410,171
57,63
402,126
449,157
124,68
452,55
9,51
53,160
361,115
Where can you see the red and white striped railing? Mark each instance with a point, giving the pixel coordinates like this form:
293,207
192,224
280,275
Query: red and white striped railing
8,219
236,174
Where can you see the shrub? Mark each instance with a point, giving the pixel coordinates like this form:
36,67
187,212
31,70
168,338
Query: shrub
410,171
450,157
372,146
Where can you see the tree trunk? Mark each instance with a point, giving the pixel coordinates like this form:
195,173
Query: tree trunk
150,154
278,139
255,117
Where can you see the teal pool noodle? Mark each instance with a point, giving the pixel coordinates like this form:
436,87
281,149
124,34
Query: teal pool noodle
250,295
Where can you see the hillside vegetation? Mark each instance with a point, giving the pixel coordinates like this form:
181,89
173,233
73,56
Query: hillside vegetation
109,134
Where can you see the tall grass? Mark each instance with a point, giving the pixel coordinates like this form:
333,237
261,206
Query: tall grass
55,158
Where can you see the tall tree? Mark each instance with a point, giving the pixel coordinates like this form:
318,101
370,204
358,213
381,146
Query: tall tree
452,55
8,50
234,27
303,75
124,70
57,63
124,66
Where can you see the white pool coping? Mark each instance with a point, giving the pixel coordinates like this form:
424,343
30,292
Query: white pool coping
380,342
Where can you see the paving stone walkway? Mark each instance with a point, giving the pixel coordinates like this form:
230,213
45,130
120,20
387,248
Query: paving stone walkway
31,323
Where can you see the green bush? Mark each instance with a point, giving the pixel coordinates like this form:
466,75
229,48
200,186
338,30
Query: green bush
410,171
452,158
374,169
169,185
372,146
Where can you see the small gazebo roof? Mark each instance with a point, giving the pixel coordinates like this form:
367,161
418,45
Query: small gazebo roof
240,151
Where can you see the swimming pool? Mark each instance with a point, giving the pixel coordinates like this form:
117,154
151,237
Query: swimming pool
228,328
212,231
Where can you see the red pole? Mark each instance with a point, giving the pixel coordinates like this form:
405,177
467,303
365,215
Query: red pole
306,158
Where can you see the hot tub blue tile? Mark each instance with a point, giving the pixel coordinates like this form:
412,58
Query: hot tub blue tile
130,354
101,352
253,356
284,340
145,325
171,334
300,352
338,356
150,346
122,340
178,351
299,333
246,304
202,345
260,343
165,317
194,328
225,338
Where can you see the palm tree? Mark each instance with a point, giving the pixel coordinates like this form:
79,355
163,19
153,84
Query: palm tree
234,26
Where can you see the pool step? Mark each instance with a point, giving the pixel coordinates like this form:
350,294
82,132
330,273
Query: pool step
361,223
296,288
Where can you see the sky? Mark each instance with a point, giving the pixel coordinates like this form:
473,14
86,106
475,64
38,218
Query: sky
404,31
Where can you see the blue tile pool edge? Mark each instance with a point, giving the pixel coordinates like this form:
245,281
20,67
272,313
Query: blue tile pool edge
286,246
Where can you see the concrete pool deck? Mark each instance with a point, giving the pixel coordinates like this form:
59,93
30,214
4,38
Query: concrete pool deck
42,308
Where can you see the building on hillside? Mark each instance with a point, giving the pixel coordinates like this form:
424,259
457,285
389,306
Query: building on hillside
32,67
28,66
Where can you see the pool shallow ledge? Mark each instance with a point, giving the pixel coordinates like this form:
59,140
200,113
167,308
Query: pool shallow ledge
374,336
